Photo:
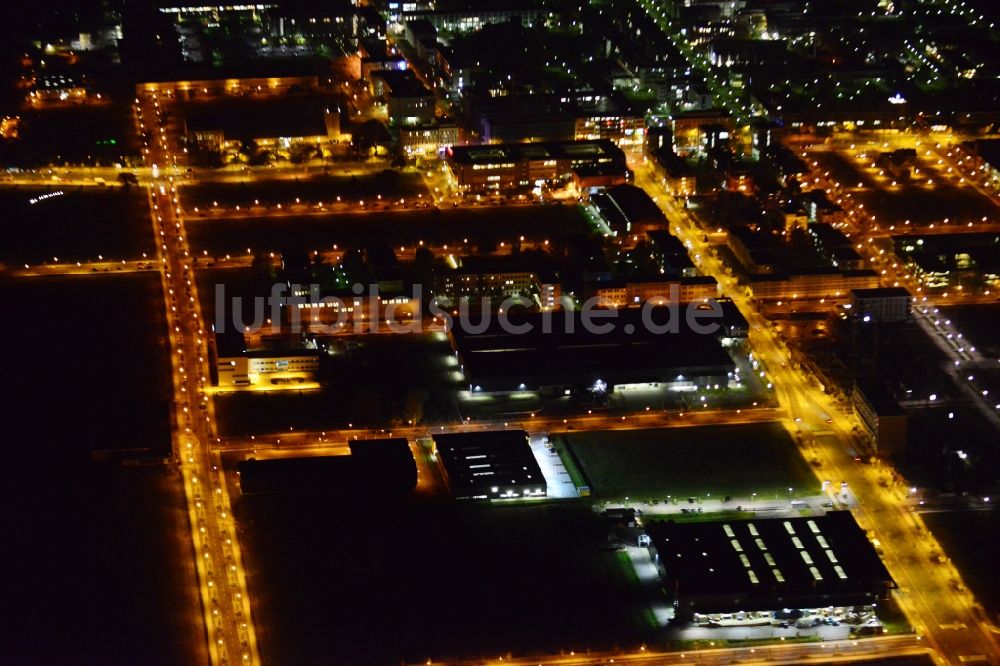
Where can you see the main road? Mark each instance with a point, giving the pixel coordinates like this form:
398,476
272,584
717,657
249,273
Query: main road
223,587
931,594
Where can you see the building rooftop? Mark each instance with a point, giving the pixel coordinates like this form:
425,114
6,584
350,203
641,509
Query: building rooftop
402,83
626,205
248,117
376,466
799,561
261,68
528,262
881,292
481,464
879,396
496,359
580,152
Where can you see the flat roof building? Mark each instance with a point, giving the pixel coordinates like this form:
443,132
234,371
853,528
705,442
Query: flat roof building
670,253
881,304
883,418
497,464
512,165
627,208
376,467
408,100
193,80
767,564
558,353
279,121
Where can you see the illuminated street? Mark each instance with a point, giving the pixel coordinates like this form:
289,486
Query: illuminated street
521,332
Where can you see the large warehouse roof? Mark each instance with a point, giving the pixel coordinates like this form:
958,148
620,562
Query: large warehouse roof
253,118
492,464
495,359
627,206
770,562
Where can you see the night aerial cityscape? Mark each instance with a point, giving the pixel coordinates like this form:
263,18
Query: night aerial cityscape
468,332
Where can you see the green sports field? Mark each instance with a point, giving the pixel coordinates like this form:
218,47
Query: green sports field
732,460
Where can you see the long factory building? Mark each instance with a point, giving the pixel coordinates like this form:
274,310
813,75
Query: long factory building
559,354
767,564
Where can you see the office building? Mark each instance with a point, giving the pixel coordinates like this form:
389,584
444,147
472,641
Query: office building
882,304
883,419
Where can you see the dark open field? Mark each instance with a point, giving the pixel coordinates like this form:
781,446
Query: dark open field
841,169
100,563
978,323
88,134
693,461
911,200
971,539
317,232
341,584
928,205
78,225
310,190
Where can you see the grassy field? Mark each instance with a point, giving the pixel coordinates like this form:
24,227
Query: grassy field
691,462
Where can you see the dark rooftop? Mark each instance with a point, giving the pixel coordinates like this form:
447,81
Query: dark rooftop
580,152
879,396
247,117
402,83
629,353
880,292
378,466
487,464
797,562
624,206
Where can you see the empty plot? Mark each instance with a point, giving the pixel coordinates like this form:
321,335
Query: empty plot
693,462
490,225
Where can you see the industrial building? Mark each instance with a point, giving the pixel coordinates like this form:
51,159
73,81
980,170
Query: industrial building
557,354
627,208
767,564
882,304
884,420
498,464
375,468
508,166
